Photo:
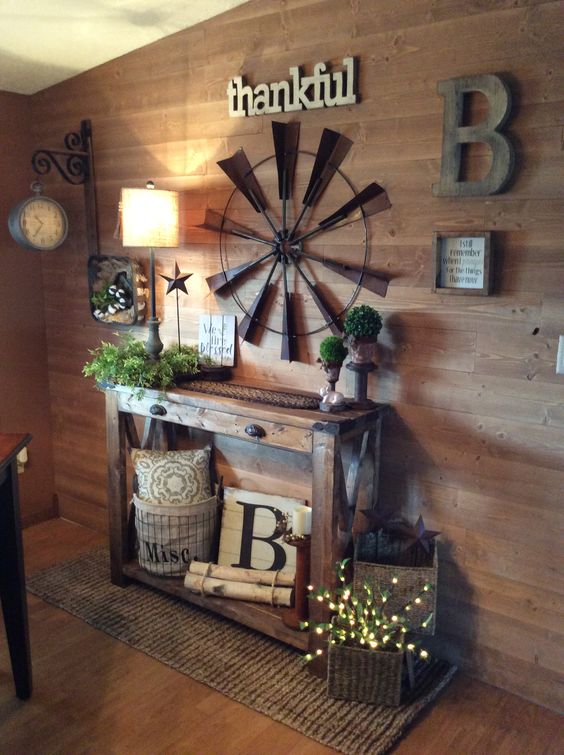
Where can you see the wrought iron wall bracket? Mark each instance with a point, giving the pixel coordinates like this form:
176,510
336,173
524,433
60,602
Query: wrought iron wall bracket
75,164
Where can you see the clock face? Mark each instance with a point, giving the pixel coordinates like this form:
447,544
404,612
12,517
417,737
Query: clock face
43,224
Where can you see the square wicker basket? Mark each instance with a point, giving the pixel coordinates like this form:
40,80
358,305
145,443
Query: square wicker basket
364,676
410,581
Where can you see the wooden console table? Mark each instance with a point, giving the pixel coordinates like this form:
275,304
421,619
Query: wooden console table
339,490
12,576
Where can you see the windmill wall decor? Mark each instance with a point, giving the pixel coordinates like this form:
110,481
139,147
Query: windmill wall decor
298,241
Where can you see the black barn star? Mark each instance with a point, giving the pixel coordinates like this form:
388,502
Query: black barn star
178,282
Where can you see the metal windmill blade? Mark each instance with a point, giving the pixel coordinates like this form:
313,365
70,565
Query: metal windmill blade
365,278
332,150
288,349
238,169
249,323
219,280
285,137
369,201
327,312
214,221
362,276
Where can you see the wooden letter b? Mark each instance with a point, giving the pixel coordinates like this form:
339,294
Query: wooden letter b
487,131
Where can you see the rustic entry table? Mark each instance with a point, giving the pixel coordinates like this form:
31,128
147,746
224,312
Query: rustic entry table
343,448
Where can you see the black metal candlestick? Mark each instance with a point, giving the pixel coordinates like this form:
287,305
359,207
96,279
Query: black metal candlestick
300,610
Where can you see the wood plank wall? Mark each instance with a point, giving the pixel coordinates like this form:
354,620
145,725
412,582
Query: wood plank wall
476,442
24,380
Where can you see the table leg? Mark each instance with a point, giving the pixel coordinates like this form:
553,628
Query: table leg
117,490
12,583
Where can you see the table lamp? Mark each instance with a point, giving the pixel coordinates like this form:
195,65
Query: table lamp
150,219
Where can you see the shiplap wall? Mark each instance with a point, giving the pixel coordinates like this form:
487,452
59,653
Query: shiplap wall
24,380
477,438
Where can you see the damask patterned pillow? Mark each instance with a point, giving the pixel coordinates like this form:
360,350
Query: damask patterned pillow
170,477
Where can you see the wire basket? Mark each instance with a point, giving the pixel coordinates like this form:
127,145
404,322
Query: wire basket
170,536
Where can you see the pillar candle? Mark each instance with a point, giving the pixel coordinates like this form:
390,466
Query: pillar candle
301,520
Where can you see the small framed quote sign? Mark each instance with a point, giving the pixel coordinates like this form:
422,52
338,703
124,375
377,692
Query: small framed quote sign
462,263
217,338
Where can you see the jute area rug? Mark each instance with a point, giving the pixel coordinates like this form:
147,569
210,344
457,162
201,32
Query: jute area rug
249,667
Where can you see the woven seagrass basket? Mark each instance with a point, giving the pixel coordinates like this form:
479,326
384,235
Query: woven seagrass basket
410,580
364,676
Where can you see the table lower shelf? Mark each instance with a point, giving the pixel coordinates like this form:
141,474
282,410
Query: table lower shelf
264,618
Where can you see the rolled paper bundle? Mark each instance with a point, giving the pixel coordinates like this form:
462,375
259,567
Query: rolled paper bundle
301,520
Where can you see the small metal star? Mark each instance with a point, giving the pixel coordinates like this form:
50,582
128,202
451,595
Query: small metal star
416,535
179,280
374,520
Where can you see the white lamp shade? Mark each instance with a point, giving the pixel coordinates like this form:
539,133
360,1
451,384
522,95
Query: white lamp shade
149,217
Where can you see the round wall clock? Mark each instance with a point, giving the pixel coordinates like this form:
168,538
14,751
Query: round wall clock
290,221
38,222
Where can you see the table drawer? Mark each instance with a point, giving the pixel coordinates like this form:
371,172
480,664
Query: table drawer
239,426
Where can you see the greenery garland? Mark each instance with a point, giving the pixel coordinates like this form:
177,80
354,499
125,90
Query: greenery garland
128,363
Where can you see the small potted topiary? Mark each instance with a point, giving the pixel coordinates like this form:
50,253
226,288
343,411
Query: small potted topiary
362,326
332,354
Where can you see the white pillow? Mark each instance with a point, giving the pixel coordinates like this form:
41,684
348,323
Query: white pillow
172,477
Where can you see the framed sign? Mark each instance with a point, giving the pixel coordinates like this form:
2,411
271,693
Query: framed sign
217,338
462,263
252,528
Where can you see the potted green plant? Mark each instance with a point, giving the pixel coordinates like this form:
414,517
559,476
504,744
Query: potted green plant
362,326
332,354
366,641
128,363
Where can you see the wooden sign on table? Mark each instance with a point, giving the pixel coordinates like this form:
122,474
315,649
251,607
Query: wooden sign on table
252,530
217,338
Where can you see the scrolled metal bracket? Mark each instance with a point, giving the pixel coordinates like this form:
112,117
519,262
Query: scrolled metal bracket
75,165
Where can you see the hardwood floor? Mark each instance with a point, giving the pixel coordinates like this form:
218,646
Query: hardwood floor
94,694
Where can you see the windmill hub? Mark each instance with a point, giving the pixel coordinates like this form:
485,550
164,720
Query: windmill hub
289,248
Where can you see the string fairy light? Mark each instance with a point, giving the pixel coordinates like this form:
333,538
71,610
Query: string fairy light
358,620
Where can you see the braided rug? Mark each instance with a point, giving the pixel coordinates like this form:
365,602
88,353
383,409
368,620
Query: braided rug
249,667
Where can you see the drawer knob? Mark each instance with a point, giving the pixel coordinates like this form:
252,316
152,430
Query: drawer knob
255,431
157,410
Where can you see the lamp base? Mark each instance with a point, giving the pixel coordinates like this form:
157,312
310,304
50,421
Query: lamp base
153,344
